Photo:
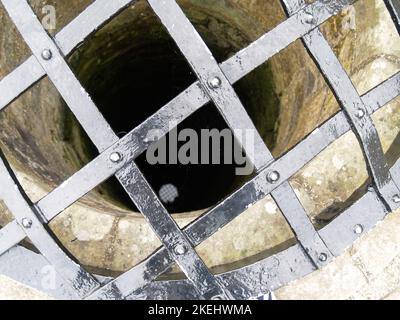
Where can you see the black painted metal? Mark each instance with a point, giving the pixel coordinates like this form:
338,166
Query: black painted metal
179,245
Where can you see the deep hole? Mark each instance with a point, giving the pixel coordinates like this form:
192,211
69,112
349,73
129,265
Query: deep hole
198,186
134,69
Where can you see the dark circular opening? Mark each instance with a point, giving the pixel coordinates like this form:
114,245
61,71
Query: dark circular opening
132,68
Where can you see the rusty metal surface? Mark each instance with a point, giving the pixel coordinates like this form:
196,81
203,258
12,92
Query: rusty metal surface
314,248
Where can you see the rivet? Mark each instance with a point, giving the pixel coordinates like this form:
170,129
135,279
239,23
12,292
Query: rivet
360,113
273,176
310,18
180,249
214,83
47,54
396,198
358,229
238,291
115,157
323,257
26,223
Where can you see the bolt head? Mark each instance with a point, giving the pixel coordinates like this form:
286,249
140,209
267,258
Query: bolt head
396,198
180,249
115,157
47,54
26,223
358,229
360,113
323,257
309,18
273,176
214,83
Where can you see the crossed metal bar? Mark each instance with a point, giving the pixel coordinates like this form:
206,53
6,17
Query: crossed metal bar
215,84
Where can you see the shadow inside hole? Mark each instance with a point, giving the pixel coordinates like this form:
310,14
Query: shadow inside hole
131,71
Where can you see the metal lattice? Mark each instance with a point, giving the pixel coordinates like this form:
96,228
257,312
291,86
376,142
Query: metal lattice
314,249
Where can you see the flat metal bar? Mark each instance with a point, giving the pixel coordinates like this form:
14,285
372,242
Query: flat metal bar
354,108
30,71
32,269
60,73
15,199
361,217
208,71
10,236
16,82
89,21
302,227
174,240
247,282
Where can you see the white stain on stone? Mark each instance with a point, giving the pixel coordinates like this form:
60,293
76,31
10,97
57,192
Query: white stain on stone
123,226
338,162
270,208
91,227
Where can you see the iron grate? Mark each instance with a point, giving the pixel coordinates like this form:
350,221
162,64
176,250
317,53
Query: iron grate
314,249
